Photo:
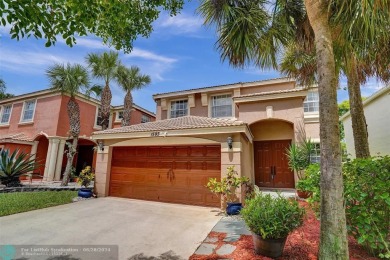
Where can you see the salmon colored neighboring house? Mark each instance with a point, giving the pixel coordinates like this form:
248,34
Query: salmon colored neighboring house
200,132
38,123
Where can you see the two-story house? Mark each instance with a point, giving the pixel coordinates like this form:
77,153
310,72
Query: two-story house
200,132
38,123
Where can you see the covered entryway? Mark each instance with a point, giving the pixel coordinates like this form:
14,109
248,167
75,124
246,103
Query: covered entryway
272,137
271,164
176,174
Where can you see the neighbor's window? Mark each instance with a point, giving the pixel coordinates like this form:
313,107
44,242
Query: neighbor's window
28,111
311,103
120,115
315,154
179,108
6,114
99,119
221,106
145,119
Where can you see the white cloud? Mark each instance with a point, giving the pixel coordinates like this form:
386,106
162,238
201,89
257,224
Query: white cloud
147,55
181,23
31,62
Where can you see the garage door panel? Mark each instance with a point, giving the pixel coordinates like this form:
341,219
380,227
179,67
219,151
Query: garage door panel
166,173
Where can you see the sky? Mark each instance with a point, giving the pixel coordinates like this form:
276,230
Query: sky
179,54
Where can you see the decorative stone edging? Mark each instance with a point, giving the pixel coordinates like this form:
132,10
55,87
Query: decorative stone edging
29,189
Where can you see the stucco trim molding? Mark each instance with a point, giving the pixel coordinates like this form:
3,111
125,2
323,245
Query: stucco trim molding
254,98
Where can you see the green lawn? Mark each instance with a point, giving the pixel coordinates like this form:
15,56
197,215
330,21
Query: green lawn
16,202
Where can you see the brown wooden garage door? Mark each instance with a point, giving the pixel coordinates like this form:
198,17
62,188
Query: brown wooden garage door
169,174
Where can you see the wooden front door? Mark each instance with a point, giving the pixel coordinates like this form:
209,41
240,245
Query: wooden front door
176,174
271,164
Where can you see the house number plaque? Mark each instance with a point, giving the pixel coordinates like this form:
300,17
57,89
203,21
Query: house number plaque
154,134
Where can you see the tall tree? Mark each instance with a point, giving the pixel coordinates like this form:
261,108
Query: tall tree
333,236
118,23
130,79
104,66
70,79
3,88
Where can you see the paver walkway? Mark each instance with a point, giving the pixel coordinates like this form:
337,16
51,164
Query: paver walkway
231,228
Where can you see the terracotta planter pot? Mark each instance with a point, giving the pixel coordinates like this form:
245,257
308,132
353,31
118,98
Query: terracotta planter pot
303,194
268,247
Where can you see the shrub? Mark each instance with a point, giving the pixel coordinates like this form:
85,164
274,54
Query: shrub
311,183
367,196
299,157
86,177
272,218
14,165
226,188
367,200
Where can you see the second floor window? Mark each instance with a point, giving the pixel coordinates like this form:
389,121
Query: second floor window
311,103
179,108
99,117
221,106
6,114
145,119
28,111
120,115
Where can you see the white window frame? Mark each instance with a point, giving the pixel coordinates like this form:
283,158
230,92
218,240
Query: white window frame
211,105
311,101
146,116
2,114
22,120
117,118
95,125
176,100
315,154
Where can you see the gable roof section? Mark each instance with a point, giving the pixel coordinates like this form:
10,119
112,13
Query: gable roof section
383,91
179,123
223,87
181,126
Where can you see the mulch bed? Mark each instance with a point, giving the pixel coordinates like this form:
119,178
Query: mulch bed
302,244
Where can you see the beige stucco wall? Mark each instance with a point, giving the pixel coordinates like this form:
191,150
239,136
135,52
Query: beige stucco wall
271,129
378,126
312,130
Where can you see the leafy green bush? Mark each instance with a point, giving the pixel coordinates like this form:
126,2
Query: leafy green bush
311,184
367,196
299,157
367,199
226,188
271,217
14,165
86,177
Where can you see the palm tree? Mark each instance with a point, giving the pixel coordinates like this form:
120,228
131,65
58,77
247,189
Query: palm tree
247,32
129,80
104,66
70,79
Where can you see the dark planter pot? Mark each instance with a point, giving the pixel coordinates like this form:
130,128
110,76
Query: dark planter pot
269,247
233,208
303,194
85,193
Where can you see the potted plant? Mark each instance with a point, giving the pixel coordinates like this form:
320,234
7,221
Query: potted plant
226,189
85,178
73,176
271,220
298,160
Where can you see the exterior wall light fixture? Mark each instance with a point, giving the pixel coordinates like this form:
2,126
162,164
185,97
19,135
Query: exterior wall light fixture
101,145
230,142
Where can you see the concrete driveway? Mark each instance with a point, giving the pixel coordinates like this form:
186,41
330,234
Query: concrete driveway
137,227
